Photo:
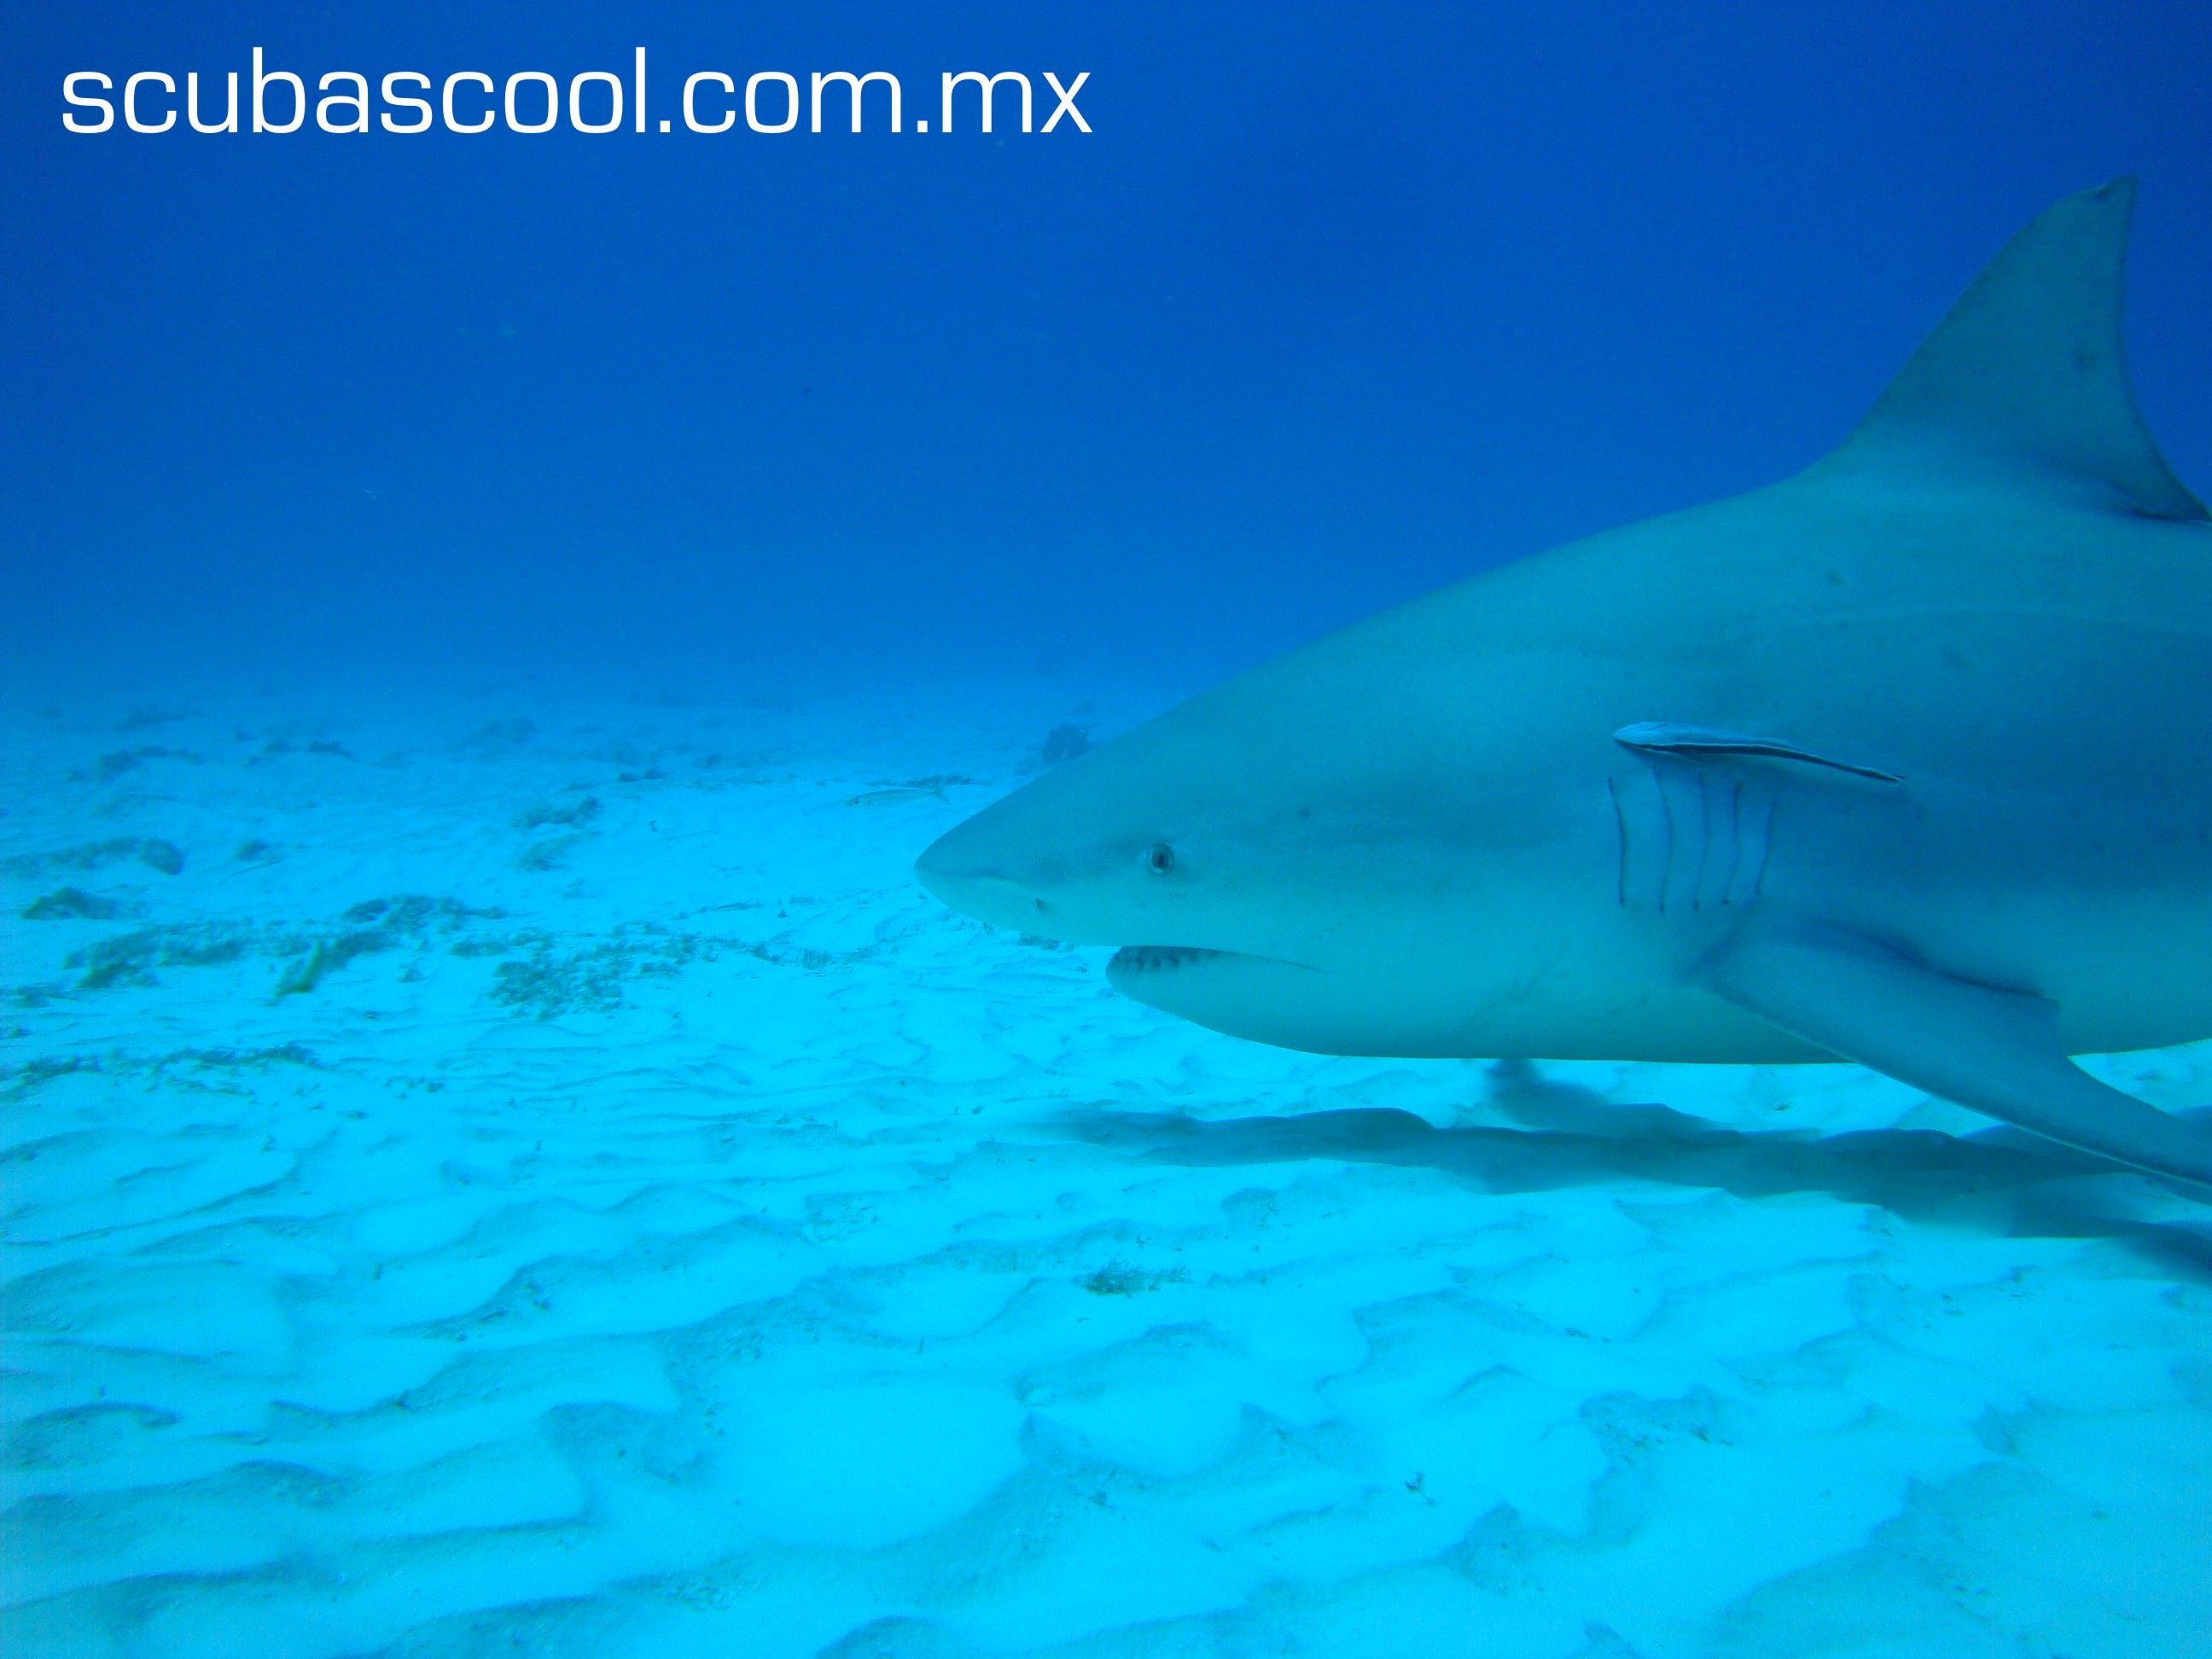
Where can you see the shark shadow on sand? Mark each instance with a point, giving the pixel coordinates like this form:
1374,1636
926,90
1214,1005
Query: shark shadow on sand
2001,1182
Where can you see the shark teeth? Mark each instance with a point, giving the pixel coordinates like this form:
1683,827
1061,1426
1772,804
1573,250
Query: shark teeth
1138,958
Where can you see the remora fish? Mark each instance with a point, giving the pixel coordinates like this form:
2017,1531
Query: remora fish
1906,760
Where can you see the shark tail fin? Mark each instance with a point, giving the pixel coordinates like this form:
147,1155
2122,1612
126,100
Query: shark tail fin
2025,376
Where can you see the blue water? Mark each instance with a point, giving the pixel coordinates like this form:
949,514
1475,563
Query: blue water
502,1157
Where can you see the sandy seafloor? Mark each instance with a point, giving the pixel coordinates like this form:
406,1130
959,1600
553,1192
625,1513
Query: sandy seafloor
538,1178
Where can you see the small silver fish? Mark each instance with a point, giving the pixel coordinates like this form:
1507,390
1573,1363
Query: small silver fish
896,797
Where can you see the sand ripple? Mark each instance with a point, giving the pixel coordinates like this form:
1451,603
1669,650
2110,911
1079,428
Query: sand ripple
445,1218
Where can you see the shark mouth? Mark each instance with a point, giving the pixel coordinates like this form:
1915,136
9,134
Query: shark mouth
1168,958
1163,959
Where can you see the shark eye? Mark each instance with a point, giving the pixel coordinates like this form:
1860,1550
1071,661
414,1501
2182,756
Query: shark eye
1159,858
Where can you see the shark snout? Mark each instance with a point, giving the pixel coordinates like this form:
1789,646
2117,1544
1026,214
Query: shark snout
977,887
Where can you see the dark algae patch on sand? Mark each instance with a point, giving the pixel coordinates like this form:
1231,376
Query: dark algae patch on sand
384,924
375,925
328,955
150,850
72,904
574,815
130,958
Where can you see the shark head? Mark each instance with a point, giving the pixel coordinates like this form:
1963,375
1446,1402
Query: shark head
1260,873
1157,842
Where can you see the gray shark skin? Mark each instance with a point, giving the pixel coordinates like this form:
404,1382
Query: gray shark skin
1906,760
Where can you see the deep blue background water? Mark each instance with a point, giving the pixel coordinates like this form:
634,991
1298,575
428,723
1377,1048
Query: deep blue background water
1336,304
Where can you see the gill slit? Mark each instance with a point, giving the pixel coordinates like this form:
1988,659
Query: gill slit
1620,824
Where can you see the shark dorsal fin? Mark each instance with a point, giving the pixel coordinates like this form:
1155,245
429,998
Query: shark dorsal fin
2025,376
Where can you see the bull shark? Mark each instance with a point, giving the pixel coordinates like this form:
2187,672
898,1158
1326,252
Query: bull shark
1906,760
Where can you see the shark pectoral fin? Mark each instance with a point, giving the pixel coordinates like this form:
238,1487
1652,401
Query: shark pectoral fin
1992,1051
